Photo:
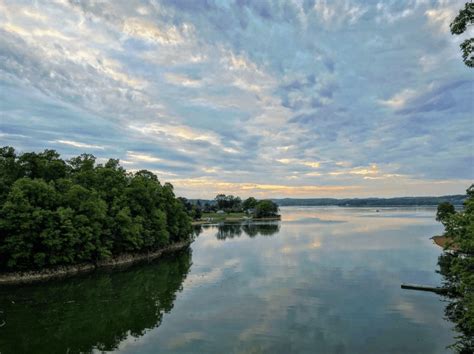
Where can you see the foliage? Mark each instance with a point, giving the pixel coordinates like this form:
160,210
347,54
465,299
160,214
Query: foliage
228,203
194,211
266,208
457,267
56,212
459,25
249,203
445,210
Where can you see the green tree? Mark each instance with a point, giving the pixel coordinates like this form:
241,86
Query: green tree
46,165
464,19
266,208
228,203
25,220
457,267
249,203
445,210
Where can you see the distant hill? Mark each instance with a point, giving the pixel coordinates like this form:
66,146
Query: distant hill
360,202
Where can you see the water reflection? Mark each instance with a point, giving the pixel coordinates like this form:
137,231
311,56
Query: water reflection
231,230
97,311
329,282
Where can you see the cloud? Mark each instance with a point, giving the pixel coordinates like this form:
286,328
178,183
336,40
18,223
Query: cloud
400,99
78,144
337,12
181,80
150,32
441,17
267,97
214,187
286,161
435,97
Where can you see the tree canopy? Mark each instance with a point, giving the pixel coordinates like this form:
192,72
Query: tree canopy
249,203
228,203
457,267
57,212
464,19
266,208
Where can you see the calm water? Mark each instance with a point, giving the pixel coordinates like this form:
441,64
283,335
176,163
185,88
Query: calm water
323,280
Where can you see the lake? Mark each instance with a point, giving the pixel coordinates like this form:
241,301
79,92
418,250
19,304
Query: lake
323,280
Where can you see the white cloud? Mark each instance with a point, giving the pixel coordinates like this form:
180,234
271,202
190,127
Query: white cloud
338,12
78,144
170,35
140,157
288,161
182,80
400,99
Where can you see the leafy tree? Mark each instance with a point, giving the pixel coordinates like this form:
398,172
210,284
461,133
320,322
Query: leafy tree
266,208
457,267
445,210
249,203
228,203
197,212
221,201
464,19
9,170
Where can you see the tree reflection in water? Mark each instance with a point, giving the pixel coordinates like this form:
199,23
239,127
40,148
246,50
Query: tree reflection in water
96,311
231,230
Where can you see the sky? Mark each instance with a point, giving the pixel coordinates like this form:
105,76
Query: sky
296,98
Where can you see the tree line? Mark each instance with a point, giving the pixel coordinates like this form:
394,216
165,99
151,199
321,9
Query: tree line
59,212
373,202
456,265
230,204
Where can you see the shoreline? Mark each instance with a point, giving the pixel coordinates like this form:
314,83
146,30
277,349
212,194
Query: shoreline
231,219
444,243
67,271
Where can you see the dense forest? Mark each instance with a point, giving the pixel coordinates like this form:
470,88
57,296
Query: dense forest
457,266
56,212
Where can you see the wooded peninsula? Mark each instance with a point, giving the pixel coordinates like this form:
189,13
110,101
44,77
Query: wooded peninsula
57,213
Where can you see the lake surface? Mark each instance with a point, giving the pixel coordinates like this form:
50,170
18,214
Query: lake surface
323,280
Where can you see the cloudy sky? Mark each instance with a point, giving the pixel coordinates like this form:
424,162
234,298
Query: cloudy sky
302,98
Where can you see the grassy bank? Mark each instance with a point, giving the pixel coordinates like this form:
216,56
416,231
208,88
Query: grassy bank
230,217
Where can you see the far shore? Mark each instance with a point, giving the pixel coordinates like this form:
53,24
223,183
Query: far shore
71,270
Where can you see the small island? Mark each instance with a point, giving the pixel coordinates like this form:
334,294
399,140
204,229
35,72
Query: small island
227,208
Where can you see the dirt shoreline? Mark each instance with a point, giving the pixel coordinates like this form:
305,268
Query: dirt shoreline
71,270
445,243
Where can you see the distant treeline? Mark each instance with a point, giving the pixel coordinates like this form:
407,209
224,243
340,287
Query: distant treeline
456,200
57,212
401,201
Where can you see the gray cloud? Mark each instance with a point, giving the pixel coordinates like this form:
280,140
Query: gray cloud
281,93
